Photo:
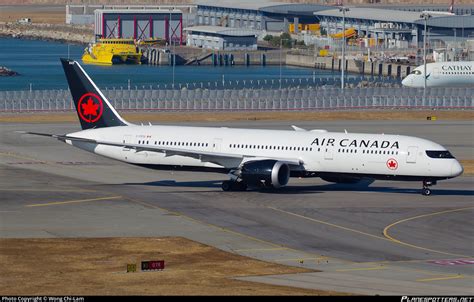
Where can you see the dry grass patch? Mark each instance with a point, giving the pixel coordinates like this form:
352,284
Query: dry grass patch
97,266
38,12
246,116
37,16
468,165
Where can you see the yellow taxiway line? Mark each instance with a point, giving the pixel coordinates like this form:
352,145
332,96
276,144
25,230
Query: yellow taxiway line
385,231
361,269
441,278
71,201
387,237
262,249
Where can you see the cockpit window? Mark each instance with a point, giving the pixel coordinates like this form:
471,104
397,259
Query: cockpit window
416,72
439,154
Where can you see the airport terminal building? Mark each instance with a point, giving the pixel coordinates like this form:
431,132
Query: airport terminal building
391,26
221,38
259,15
397,25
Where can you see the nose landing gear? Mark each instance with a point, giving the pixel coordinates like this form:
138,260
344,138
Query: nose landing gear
426,191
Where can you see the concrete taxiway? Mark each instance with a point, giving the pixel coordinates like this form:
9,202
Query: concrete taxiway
370,238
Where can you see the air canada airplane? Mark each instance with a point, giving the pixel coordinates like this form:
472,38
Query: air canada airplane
442,74
251,158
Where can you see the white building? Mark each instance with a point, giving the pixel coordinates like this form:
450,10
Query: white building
221,38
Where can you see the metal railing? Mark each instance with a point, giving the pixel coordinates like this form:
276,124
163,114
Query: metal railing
315,81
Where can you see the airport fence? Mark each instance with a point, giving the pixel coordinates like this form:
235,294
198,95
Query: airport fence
289,82
321,98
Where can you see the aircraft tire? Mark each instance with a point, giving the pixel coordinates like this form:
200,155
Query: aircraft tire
226,186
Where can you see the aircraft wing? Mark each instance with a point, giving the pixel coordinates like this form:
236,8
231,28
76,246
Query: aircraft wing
205,156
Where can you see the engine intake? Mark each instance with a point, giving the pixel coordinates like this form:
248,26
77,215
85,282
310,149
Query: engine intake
266,173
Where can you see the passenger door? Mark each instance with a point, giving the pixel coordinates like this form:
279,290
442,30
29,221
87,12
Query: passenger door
328,153
127,139
412,152
436,73
216,145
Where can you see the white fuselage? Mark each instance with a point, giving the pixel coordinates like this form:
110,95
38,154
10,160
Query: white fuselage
442,74
318,151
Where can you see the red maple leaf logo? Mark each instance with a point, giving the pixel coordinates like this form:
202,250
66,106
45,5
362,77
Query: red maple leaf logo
90,108
392,164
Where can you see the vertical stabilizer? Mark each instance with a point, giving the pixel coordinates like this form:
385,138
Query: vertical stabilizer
92,107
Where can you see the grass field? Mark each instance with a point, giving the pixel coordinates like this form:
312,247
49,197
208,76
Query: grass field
161,116
37,14
97,266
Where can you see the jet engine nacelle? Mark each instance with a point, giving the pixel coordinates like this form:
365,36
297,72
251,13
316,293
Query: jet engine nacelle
266,173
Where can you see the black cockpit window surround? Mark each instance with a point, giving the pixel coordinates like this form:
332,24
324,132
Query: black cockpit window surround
416,72
439,154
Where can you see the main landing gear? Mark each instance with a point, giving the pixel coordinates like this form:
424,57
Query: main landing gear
426,191
232,185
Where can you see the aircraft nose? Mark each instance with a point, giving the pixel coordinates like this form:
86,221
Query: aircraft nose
405,81
456,168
